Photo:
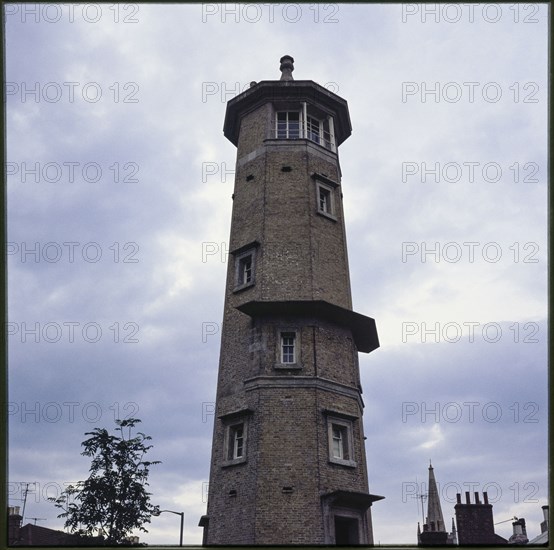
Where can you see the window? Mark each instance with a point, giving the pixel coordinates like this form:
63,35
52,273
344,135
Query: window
245,270
324,200
288,344
235,437
235,448
325,195
341,442
306,121
327,136
320,131
287,348
288,125
340,439
245,266
235,442
313,129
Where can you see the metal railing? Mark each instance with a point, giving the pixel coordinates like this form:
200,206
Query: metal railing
325,139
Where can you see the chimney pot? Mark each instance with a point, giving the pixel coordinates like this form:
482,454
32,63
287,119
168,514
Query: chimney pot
477,501
485,497
458,498
468,501
286,67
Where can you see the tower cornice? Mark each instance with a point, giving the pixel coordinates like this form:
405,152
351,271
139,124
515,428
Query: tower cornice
286,90
363,328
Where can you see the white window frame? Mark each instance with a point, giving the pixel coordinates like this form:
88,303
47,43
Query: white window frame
246,274
279,355
325,126
346,431
286,335
324,199
240,260
339,434
236,441
325,129
230,447
287,124
330,212
313,128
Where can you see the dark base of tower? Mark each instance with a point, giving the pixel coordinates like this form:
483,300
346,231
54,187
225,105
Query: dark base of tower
346,519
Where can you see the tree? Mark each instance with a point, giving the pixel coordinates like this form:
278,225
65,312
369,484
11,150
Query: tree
113,501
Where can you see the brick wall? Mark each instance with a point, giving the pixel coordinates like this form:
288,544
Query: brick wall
274,495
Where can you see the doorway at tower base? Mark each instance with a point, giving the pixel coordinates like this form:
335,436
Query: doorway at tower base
347,517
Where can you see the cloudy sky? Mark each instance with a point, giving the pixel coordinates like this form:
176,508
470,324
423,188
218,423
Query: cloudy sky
120,183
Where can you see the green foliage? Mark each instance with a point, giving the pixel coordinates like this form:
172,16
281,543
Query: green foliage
113,501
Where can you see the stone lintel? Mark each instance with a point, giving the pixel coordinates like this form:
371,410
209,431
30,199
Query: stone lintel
325,179
236,414
340,414
248,246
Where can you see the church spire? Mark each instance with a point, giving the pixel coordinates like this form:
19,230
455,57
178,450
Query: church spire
435,520
453,534
434,530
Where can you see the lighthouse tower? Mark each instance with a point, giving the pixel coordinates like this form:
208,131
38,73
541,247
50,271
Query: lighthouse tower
288,458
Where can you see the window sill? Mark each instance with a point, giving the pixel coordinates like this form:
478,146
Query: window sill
294,141
327,215
288,366
234,462
243,287
341,462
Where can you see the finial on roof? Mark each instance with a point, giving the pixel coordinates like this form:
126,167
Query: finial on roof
286,67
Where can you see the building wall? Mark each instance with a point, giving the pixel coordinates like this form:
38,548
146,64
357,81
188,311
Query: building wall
279,209
274,496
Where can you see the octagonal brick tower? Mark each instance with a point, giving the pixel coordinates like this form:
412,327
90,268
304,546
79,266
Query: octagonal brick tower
288,459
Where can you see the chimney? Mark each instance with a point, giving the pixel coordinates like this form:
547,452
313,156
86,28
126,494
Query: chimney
544,524
286,67
475,522
519,527
14,524
520,533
